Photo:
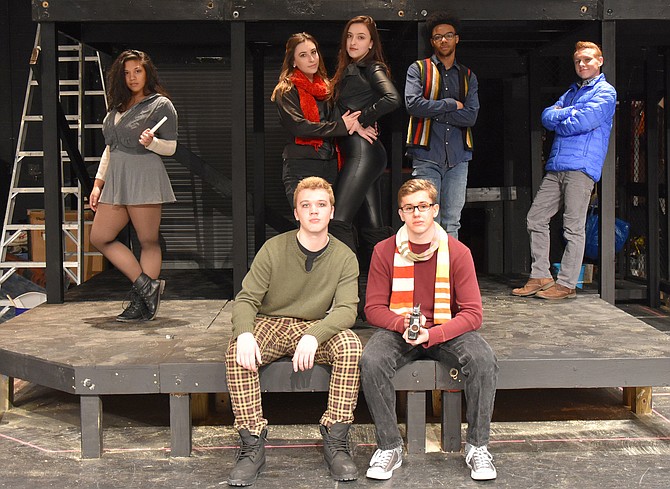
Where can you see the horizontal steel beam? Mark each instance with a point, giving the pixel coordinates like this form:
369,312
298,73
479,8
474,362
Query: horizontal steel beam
381,10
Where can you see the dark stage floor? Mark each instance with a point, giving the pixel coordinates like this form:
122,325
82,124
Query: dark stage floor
554,438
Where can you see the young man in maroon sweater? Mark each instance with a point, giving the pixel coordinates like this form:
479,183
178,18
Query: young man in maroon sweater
423,265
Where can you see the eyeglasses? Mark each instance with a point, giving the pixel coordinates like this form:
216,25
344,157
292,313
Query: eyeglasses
448,37
423,207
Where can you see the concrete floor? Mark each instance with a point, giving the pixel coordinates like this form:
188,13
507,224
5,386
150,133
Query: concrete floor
561,438
553,438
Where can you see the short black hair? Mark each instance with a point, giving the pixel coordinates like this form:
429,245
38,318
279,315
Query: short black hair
437,18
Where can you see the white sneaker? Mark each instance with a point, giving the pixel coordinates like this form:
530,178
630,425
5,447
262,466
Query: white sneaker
480,462
384,462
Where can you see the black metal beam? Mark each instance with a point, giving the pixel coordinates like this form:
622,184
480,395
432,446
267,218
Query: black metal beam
53,204
128,10
258,53
625,9
651,130
607,187
238,135
666,113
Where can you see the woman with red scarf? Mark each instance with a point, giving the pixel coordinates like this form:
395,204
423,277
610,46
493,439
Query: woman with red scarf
302,97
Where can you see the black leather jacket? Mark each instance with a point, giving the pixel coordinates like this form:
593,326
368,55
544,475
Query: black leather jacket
367,88
293,120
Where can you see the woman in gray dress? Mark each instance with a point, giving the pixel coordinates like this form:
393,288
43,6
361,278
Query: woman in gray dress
131,183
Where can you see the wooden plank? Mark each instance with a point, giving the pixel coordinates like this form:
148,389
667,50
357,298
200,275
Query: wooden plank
6,393
451,421
117,380
641,400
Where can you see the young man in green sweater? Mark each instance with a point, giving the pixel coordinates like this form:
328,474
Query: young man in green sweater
298,299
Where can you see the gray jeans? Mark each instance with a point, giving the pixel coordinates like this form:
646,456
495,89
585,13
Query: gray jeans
387,351
572,191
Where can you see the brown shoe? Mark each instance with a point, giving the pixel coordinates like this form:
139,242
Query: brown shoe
533,286
556,292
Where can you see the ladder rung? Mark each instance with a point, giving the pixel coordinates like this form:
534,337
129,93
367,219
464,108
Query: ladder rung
34,264
32,118
92,126
92,93
40,190
70,83
38,153
69,47
70,59
68,93
39,227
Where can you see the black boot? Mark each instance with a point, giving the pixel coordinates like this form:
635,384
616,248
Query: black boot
337,453
135,311
250,459
150,291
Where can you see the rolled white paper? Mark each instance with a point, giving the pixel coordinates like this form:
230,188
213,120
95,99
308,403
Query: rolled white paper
158,124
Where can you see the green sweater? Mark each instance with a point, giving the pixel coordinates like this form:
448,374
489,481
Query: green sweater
278,285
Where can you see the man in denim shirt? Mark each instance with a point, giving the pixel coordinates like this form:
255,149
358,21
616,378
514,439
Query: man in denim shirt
441,98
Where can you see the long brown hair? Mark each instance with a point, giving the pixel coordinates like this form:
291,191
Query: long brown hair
287,67
118,93
376,54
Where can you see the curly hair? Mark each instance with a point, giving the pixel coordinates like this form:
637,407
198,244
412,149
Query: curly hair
438,18
118,93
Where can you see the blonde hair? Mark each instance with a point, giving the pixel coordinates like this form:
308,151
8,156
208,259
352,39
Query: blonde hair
313,183
417,185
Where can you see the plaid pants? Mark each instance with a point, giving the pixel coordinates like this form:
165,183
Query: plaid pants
278,337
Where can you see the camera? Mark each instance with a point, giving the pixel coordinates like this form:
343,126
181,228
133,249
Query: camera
414,323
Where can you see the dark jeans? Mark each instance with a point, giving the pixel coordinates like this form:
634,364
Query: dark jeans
387,351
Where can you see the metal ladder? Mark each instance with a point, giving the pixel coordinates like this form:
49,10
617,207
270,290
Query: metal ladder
73,57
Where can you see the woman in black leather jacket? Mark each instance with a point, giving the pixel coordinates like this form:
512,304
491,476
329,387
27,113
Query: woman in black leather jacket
303,102
361,83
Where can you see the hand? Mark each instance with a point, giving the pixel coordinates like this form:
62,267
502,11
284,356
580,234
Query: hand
248,353
350,120
146,137
459,105
407,319
303,358
422,338
94,198
368,133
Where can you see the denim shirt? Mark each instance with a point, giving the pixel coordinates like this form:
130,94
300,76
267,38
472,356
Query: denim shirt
446,138
125,135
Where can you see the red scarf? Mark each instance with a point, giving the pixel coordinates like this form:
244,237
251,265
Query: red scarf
308,92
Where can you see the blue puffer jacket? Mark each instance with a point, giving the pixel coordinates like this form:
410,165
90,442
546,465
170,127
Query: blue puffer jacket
582,121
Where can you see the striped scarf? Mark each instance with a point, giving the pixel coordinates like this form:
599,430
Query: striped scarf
402,287
418,129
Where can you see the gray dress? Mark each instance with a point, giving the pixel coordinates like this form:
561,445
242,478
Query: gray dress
136,175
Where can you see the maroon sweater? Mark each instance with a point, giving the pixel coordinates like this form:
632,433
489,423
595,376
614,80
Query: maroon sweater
466,301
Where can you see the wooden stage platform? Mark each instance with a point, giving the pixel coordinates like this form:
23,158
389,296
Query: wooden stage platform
79,348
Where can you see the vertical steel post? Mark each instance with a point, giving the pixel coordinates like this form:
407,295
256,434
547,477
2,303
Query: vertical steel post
238,144
53,203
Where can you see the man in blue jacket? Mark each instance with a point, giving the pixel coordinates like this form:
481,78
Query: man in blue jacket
582,122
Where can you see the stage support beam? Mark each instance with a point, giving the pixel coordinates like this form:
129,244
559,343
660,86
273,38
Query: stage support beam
53,204
416,422
238,146
180,425
90,408
606,187
653,208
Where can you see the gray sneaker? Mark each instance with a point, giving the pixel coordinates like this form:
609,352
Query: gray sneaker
480,462
384,462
